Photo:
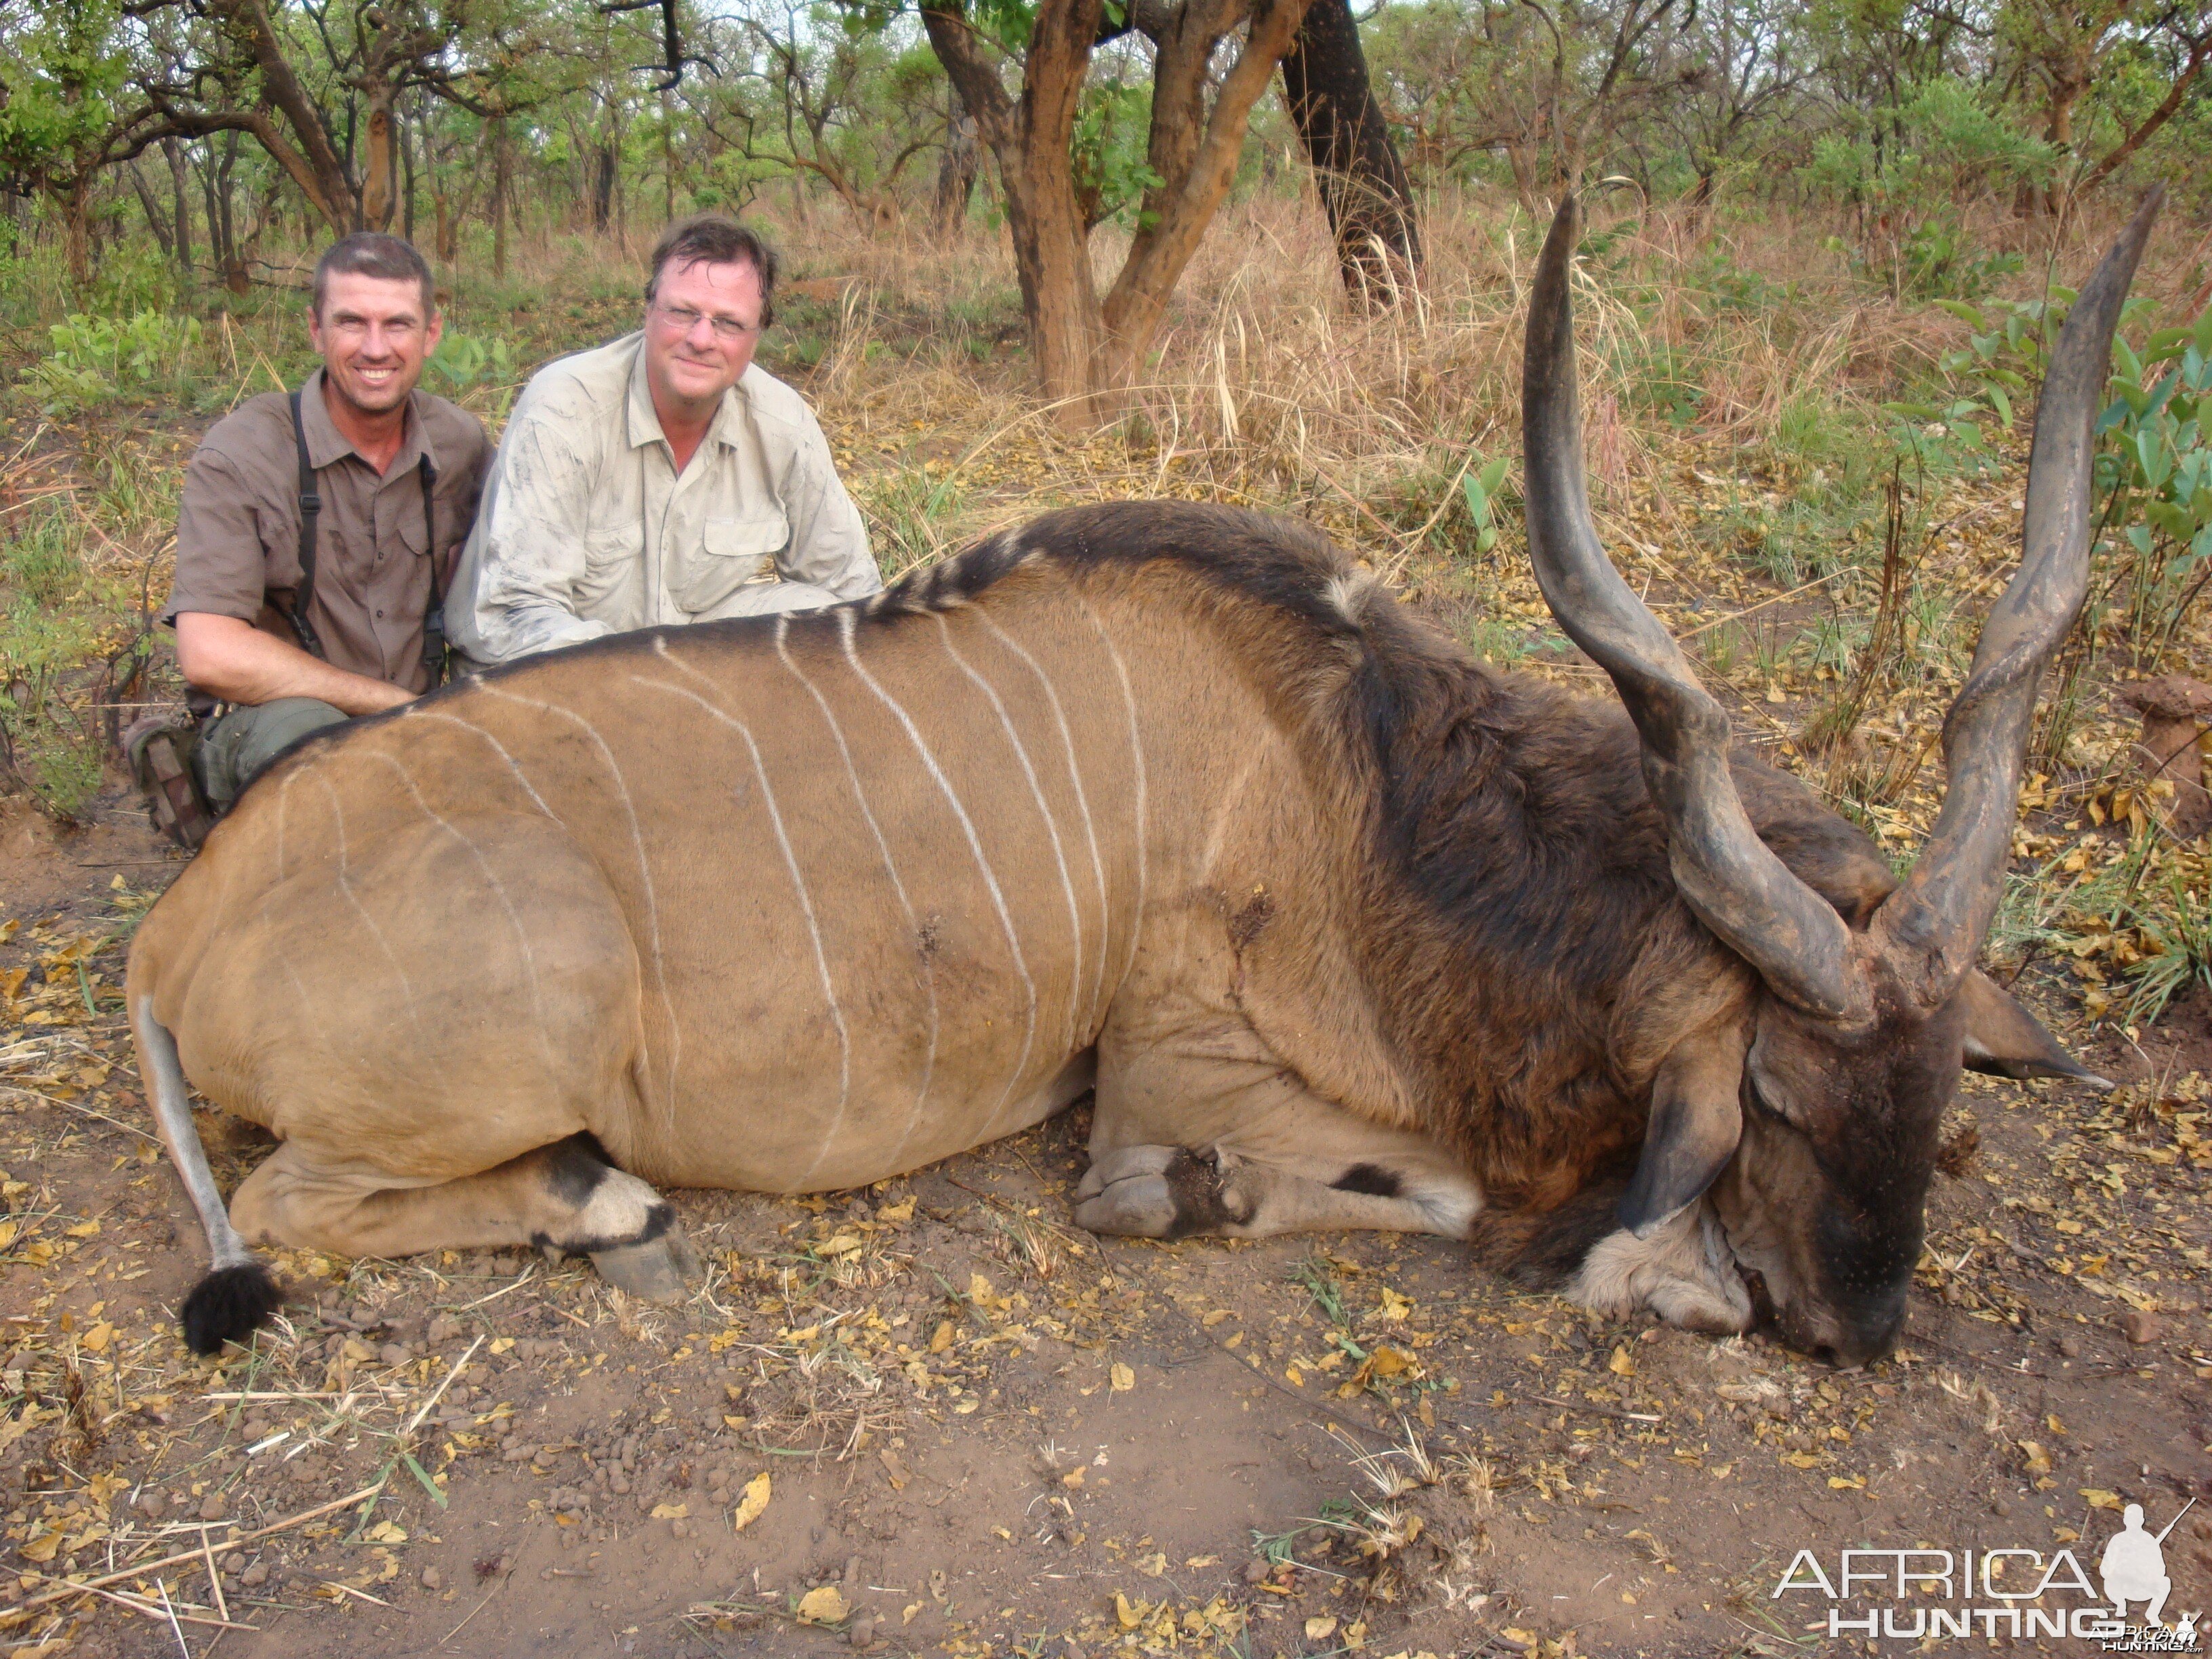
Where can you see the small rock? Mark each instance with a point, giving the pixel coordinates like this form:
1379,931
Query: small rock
2139,1326
2069,1348
233,1562
862,1632
444,1328
1070,1649
395,1353
433,1579
1257,1569
1998,1506
851,1581
214,1508
152,1505
255,1576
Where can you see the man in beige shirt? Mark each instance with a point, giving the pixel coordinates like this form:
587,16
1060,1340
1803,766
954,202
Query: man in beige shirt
359,478
663,479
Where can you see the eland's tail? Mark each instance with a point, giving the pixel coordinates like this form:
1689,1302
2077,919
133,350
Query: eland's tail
238,1292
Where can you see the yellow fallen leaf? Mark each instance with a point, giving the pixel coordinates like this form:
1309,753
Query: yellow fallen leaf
6,1233
843,1244
2099,1499
1394,1306
386,1532
941,1338
41,1550
1154,1565
1622,1363
753,1502
84,1229
1846,1483
825,1606
1073,1479
895,1214
1294,1376
671,1511
1390,1362
502,1344
1127,1616
1322,1628
1122,1377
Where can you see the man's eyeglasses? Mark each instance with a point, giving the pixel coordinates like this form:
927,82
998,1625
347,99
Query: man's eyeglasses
682,320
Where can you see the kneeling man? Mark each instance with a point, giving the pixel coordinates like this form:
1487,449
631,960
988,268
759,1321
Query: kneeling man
313,539
663,479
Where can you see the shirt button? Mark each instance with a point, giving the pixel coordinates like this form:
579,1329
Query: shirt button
379,616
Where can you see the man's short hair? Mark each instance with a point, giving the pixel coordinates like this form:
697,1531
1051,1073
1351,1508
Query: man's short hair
373,253
711,239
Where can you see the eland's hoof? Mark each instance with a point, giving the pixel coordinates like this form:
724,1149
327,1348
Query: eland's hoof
652,1270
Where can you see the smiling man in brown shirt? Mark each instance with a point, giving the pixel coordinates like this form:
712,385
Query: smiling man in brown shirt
384,479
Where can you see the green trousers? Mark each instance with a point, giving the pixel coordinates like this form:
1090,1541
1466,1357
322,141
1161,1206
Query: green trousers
234,748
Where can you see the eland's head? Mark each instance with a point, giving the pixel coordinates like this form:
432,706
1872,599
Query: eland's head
1809,1124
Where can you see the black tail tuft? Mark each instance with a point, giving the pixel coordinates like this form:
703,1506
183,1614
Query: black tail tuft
228,1306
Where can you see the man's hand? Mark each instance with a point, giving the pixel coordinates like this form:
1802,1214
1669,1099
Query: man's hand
236,662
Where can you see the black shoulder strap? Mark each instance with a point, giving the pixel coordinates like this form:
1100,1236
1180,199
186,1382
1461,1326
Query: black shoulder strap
310,506
433,619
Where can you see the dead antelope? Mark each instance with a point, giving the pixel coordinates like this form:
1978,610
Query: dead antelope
1346,929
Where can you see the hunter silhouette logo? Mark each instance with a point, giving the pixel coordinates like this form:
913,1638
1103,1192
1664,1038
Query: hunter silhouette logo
2134,1566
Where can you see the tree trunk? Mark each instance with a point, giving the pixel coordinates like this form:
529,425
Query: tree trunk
955,168
407,171
234,261
603,186
668,154
173,149
76,231
379,193
156,221
1361,181
499,180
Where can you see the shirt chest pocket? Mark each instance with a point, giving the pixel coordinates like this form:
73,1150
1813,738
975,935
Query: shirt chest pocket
727,554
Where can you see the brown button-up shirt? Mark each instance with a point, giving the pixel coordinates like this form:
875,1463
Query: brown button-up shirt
238,527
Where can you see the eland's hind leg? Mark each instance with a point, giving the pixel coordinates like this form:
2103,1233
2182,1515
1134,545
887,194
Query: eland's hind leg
565,1196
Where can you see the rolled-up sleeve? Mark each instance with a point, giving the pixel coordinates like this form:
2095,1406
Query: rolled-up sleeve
515,592
221,568
829,546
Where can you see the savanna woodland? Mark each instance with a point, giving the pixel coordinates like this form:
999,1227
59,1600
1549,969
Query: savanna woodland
1042,251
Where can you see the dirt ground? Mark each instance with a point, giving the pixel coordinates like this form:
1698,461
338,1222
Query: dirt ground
930,1417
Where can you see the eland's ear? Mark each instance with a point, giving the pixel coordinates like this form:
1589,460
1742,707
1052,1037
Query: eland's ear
1696,1118
2004,1038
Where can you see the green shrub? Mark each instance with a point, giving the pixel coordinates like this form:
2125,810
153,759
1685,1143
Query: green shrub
94,359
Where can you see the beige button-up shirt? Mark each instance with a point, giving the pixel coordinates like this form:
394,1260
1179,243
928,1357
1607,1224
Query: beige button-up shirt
587,529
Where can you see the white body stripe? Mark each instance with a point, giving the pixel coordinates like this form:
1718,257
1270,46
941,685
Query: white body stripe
645,876
798,882
846,622
499,888
1044,811
1137,769
1082,802
890,869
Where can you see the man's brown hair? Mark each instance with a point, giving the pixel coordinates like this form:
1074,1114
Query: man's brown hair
373,253
712,239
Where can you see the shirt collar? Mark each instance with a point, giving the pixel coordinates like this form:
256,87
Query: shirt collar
327,445
644,423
